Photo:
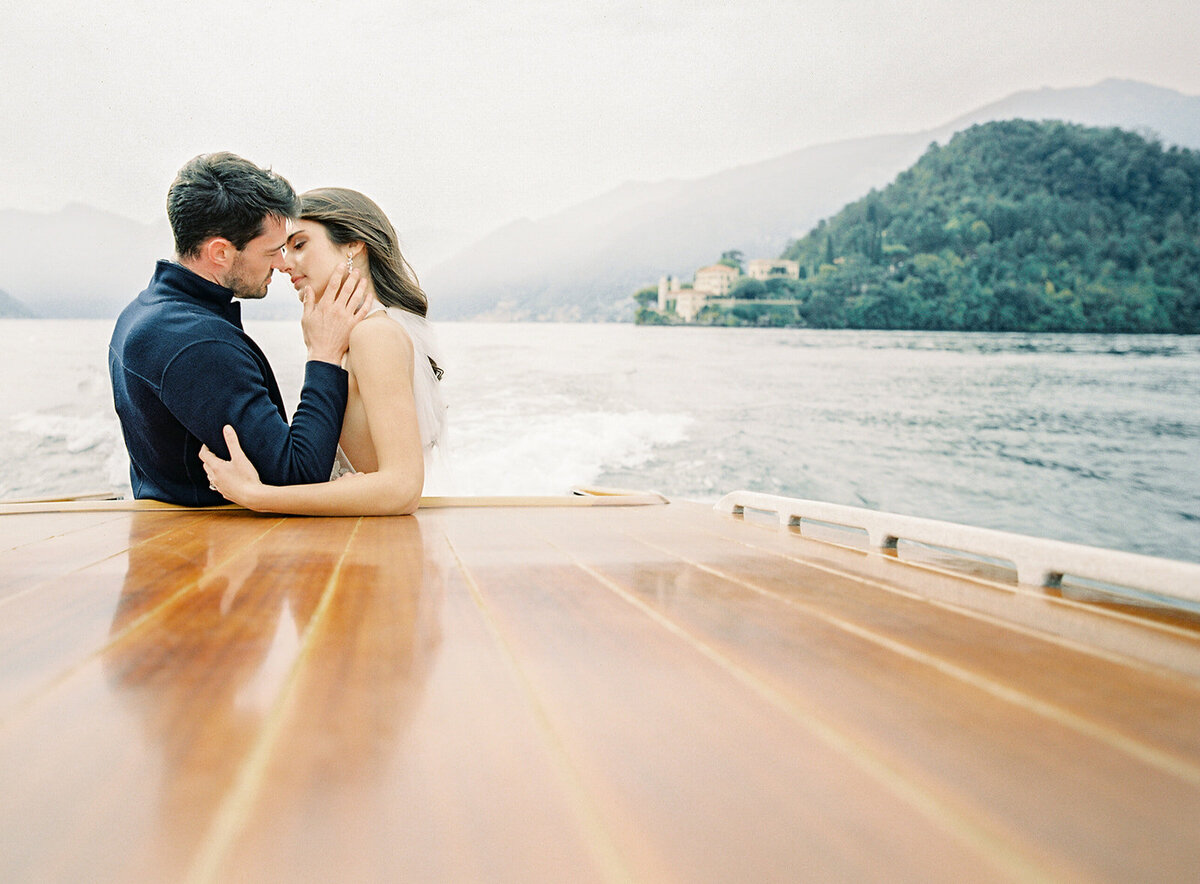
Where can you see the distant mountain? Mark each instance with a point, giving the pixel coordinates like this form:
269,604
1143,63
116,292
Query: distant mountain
585,262
426,246
79,261
1013,226
1171,116
11,308
87,263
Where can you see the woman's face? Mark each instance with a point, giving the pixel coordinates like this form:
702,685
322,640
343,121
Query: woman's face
310,257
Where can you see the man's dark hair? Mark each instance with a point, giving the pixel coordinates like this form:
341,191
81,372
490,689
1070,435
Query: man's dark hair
221,194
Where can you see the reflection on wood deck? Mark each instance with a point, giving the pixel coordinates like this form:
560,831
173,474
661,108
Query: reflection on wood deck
571,694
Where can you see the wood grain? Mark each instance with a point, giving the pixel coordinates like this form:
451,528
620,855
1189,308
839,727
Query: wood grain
532,693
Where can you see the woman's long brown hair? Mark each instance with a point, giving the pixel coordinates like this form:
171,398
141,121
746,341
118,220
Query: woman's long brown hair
347,217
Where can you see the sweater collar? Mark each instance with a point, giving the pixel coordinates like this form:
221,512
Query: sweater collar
210,294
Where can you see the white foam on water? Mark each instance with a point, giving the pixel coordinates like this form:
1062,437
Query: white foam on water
47,453
550,453
76,433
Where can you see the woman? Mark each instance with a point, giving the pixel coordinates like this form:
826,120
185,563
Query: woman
394,413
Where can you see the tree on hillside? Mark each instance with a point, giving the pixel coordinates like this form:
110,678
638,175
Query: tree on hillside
748,289
646,297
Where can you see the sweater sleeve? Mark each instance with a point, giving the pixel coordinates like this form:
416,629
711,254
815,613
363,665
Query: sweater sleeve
212,383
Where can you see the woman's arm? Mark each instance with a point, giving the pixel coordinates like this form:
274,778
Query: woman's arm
382,361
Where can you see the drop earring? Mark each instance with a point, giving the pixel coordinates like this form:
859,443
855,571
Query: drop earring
349,263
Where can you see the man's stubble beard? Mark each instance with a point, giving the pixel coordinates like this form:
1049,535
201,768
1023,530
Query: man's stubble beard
244,288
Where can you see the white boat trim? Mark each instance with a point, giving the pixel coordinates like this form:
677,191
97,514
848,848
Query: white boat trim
1038,561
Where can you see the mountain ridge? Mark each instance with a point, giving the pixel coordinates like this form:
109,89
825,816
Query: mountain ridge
584,261
757,208
11,308
1013,225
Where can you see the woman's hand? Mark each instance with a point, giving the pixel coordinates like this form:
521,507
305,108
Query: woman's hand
236,479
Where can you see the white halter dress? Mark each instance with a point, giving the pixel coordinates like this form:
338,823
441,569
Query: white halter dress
427,393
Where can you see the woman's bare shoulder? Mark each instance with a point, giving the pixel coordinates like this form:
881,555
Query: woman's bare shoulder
380,332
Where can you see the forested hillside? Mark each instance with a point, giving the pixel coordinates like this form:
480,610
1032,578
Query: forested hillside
1015,226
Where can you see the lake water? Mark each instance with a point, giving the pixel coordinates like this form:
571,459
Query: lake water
1093,439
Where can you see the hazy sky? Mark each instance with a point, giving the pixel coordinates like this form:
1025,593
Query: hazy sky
466,115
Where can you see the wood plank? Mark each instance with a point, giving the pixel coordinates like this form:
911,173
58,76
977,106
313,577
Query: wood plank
584,497
1067,675
572,693
28,529
75,506
67,550
1078,736
697,777
1171,645
55,626
126,762
406,750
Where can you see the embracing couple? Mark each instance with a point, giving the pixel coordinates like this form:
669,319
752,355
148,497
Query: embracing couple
199,406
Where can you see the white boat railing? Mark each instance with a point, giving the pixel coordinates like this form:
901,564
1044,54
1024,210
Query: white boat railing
1038,561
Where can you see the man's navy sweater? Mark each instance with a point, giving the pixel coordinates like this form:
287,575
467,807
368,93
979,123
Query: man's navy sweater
182,367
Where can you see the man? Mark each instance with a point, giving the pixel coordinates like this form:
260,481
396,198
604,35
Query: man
182,366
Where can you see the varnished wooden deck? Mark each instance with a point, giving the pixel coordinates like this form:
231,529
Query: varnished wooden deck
655,693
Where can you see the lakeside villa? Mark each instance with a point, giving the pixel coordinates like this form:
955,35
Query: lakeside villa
716,282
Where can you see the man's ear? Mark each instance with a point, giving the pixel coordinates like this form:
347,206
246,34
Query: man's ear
218,252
